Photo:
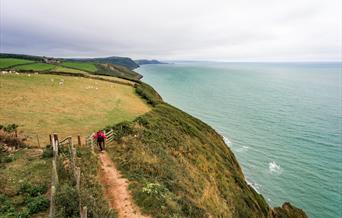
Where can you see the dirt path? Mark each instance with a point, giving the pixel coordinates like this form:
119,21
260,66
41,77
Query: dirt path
116,190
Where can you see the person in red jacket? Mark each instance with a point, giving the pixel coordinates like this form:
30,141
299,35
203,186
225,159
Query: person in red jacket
100,139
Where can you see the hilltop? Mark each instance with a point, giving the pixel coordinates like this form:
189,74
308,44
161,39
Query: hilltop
176,165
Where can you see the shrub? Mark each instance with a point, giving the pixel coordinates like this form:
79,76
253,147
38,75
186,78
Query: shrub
122,129
6,159
67,202
9,128
47,152
33,190
37,204
142,121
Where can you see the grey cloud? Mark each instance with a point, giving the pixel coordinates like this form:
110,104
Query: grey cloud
202,29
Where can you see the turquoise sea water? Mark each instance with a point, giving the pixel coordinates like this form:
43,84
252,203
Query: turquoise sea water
283,121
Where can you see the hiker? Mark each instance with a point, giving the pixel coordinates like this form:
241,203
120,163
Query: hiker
100,139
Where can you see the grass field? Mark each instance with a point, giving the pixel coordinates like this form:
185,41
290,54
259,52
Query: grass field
89,67
67,70
35,67
42,104
8,62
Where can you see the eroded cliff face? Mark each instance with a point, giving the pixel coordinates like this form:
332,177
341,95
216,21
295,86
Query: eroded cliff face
180,167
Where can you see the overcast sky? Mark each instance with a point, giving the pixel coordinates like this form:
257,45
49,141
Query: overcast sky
230,30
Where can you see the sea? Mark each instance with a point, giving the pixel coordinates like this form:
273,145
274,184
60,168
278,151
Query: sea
283,121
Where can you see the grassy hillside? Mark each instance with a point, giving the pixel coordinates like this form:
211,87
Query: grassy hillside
42,104
121,61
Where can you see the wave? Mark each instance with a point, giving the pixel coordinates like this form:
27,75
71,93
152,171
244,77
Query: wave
257,187
273,167
226,140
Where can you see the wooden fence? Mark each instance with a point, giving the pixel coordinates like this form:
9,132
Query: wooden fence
56,145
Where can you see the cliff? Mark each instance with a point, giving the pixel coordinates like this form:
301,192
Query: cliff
180,167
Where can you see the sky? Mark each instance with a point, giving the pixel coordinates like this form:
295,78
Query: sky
217,30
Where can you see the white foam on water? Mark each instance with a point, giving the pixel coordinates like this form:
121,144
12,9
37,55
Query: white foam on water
254,185
226,140
242,149
273,167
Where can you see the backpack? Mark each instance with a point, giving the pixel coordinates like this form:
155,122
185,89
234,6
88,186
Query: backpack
99,136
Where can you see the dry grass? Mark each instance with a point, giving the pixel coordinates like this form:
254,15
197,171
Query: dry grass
42,104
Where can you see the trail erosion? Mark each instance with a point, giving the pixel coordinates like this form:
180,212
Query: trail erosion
116,190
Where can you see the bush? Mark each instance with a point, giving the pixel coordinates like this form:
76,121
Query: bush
142,121
67,202
9,128
33,191
122,129
37,204
47,152
6,159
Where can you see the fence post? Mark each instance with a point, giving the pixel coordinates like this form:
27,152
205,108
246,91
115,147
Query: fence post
79,140
84,212
54,171
55,137
38,141
92,143
52,202
50,137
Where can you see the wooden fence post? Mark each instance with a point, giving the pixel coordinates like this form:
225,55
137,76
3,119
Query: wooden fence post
54,171
38,141
78,178
84,212
50,139
52,202
92,143
79,140
55,137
